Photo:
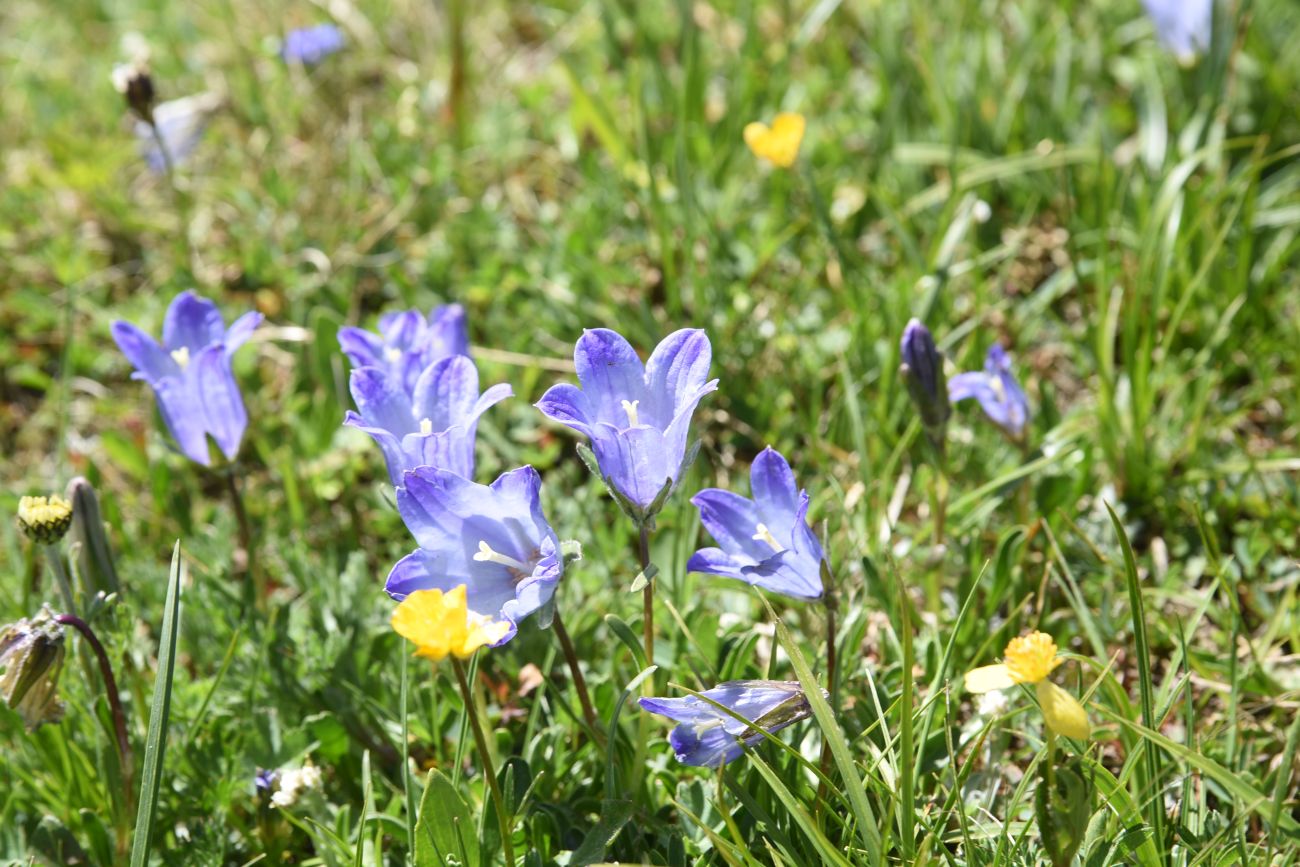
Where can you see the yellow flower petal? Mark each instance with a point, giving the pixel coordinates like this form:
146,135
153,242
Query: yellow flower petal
1031,657
779,143
1062,711
989,678
440,624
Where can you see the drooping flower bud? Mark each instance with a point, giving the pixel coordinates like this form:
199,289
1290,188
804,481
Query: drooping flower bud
134,82
44,519
31,656
94,556
922,371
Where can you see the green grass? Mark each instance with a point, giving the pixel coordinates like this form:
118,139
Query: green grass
1140,261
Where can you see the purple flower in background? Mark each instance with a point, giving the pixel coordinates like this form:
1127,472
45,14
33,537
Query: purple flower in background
190,373
637,416
1183,25
311,45
707,736
266,780
434,426
765,541
922,371
408,342
180,124
493,539
997,391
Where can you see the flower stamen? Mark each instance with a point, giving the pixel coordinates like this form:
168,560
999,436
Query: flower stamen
393,354
426,426
629,407
1031,658
765,535
487,555
181,357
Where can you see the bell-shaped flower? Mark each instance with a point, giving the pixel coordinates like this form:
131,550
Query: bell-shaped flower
178,126
408,342
765,541
435,426
922,372
1183,25
997,391
1029,659
190,373
493,539
311,45
637,416
31,658
707,736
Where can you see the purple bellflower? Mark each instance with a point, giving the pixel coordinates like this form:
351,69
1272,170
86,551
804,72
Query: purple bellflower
1183,25
311,45
493,539
190,373
707,736
997,391
765,541
435,426
922,371
180,124
408,342
637,416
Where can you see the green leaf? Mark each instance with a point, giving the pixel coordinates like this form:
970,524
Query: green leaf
444,828
155,745
643,578
865,818
613,816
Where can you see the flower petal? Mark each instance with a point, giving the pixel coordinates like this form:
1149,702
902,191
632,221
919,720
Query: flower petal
675,373
150,360
182,411
988,678
394,452
193,322
610,373
362,348
223,405
567,404
733,522
714,561
382,401
1062,711
774,490
243,328
448,331
634,461
446,391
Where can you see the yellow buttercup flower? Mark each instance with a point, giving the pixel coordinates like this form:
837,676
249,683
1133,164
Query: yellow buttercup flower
1029,659
779,143
441,624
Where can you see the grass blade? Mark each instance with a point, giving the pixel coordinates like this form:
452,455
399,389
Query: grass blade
156,744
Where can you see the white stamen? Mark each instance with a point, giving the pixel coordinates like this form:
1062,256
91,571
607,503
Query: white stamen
393,354
765,535
426,426
629,407
487,555
181,356
706,725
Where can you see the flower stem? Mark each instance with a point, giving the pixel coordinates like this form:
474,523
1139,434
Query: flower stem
110,686
60,576
832,603
244,561
579,682
489,770
647,595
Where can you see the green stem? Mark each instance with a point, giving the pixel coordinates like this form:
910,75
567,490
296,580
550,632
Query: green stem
579,682
60,576
647,596
485,757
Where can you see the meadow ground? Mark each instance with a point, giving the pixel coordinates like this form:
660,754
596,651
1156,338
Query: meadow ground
1044,175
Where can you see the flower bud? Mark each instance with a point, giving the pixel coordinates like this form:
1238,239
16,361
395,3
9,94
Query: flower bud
922,371
94,557
133,81
44,519
31,655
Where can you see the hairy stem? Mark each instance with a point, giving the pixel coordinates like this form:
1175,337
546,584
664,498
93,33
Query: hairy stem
647,595
579,682
110,686
485,757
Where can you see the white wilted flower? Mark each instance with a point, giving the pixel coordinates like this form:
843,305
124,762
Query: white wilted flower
295,781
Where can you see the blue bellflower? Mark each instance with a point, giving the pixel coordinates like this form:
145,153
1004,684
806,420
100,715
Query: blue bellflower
190,373
637,416
435,426
1183,25
708,737
765,541
408,342
311,45
493,539
922,371
997,391
181,123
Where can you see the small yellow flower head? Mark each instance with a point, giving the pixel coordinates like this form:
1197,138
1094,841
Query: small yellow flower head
441,624
779,143
1030,659
44,519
